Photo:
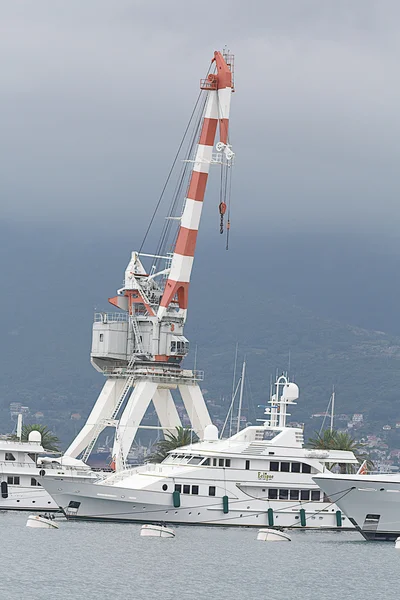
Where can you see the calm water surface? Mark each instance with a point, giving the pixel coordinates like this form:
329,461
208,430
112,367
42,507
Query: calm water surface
96,561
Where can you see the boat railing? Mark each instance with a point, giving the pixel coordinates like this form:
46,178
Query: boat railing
108,317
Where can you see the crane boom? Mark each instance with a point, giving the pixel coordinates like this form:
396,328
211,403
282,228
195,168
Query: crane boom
219,89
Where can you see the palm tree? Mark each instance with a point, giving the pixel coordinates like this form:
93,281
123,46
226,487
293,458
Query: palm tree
340,440
49,440
182,437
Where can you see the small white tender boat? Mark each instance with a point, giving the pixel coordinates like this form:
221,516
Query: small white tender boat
157,531
272,535
42,522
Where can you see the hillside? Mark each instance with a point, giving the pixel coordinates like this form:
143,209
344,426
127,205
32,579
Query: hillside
269,307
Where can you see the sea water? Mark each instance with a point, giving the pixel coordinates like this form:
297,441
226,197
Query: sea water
101,561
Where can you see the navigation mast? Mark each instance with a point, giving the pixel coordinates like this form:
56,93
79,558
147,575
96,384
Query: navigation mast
140,348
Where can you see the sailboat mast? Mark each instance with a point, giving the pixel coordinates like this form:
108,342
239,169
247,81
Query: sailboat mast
241,396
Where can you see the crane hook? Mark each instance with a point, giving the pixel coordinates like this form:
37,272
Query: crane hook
222,211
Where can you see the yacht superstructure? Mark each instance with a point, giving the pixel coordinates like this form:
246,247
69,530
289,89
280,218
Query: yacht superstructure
260,476
19,476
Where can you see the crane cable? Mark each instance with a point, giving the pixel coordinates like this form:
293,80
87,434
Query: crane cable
171,170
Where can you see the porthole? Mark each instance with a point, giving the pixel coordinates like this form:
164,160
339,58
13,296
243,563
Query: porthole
47,503
190,513
165,487
33,501
198,513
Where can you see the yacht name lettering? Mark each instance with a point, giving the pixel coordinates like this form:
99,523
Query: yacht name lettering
265,476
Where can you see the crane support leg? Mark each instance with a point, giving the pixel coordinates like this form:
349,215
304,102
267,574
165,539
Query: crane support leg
131,418
195,407
166,409
102,409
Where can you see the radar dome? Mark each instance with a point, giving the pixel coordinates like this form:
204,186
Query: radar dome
291,391
210,433
35,436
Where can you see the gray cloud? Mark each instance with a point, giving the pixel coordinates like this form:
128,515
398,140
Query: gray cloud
95,96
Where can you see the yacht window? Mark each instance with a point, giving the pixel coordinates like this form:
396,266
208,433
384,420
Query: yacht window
295,467
274,466
173,346
206,462
214,462
294,494
305,495
285,467
305,468
34,482
178,487
195,460
220,462
186,489
164,487
211,490
101,337
247,465
10,456
326,498
272,494
195,489
12,480
283,494
315,495
227,462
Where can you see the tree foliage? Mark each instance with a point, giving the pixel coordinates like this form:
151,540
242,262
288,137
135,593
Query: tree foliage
181,437
340,440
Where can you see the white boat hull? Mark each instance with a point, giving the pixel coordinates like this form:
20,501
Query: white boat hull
272,535
89,501
38,522
32,499
149,530
371,502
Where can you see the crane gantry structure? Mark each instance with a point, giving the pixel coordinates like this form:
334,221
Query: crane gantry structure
140,348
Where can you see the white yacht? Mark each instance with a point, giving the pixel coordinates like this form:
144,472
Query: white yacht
261,476
20,488
371,502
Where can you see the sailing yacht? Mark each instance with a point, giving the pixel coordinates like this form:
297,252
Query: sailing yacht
262,475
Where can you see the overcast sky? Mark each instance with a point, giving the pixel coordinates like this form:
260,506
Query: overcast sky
95,95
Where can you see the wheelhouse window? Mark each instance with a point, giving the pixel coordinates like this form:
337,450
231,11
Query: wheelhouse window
206,462
315,495
211,490
195,489
283,494
10,456
227,462
305,468
34,482
274,466
294,494
272,494
214,462
221,462
195,460
296,467
285,466
304,494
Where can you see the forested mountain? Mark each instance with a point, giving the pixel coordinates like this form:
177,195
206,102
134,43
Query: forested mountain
326,304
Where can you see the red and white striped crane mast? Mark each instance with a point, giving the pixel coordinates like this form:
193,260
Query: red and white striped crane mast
140,348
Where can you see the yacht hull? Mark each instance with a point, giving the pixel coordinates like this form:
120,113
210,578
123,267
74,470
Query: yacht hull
98,502
371,502
32,499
